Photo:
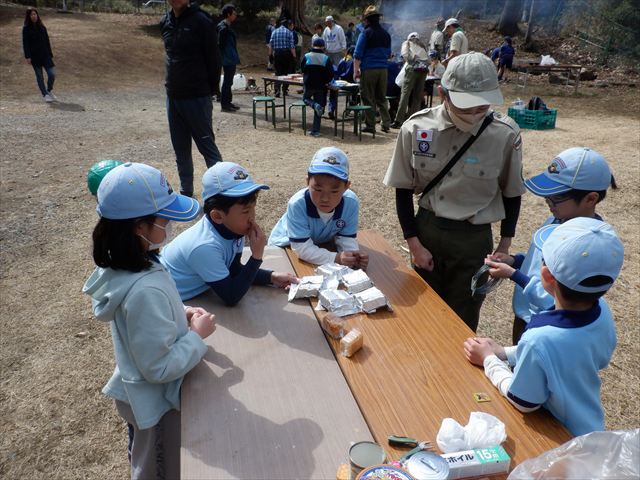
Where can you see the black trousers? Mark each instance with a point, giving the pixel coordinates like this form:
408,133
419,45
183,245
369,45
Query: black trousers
458,250
282,62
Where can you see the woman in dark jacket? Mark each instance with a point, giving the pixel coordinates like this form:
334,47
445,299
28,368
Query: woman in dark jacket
37,51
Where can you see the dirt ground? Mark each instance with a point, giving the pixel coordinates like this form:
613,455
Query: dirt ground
55,358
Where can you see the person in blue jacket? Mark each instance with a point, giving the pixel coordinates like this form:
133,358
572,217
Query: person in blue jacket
370,67
505,58
229,51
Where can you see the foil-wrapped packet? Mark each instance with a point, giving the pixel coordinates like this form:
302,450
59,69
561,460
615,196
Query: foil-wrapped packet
338,302
329,269
356,281
308,286
371,299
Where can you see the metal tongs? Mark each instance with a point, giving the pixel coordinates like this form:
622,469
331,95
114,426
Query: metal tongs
408,442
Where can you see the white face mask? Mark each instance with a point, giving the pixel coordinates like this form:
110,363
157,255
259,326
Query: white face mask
167,237
467,121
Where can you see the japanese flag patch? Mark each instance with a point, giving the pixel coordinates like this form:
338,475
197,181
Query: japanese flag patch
424,135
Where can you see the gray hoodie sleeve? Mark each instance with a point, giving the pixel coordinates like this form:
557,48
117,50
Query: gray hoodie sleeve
160,353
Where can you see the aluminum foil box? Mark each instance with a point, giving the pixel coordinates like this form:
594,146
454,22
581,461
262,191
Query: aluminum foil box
356,281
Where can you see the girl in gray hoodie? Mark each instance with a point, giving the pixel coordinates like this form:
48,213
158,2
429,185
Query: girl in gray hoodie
156,339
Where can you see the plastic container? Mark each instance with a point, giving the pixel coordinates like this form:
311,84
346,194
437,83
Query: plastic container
534,119
517,104
239,82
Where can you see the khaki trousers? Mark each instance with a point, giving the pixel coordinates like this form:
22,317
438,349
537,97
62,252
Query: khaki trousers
458,250
412,94
373,90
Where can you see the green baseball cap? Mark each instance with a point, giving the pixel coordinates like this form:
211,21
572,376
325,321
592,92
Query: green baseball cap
471,80
97,172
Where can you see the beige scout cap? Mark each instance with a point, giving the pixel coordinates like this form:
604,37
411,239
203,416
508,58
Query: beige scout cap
471,80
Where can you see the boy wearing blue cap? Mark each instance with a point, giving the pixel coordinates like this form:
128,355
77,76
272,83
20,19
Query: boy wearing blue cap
156,340
207,255
317,72
323,212
560,353
574,183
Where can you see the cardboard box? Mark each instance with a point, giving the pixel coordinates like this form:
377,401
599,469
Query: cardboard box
478,462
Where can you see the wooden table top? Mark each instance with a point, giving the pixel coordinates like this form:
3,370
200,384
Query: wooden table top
268,401
412,373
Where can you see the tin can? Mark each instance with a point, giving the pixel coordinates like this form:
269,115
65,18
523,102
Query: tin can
384,471
427,466
365,454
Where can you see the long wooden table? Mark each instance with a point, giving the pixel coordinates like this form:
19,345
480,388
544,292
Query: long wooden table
286,81
411,372
536,68
268,401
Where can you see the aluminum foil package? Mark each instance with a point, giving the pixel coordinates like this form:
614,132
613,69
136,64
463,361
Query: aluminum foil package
338,302
309,286
336,269
371,299
356,281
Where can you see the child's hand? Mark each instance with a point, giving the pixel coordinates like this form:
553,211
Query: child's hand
499,269
283,279
502,258
190,311
477,349
350,259
364,260
204,324
257,241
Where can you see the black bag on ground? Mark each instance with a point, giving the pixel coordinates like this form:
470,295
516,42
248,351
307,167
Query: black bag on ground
536,103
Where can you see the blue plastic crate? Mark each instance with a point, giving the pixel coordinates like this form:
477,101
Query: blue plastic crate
534,119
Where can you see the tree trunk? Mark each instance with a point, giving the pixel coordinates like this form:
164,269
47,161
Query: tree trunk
511,13
532,16
294,10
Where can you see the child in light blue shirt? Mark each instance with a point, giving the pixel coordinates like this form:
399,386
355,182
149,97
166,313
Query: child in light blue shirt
573,184
562,349
325,211
208,255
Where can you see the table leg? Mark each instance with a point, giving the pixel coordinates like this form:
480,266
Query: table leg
284,102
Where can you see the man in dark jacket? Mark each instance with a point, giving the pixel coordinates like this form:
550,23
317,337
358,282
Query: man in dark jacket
230,57
191,47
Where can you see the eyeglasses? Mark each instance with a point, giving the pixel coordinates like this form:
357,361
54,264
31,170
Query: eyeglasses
554,200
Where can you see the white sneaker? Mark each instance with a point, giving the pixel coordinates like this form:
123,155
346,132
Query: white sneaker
55,99
48,98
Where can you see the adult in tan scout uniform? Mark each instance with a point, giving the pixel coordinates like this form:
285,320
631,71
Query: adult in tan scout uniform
451,234
459,44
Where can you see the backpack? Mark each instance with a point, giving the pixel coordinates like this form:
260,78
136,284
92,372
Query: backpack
536,103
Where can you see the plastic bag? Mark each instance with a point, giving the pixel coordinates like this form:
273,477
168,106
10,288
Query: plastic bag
547,60
400,77
603,455
482,431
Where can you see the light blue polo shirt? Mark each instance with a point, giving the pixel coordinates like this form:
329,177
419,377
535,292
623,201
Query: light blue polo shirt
558,359
536,298
532,298
302,222
201,254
